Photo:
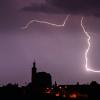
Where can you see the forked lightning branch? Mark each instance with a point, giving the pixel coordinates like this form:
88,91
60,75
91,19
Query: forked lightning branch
62,25
45,22
88,48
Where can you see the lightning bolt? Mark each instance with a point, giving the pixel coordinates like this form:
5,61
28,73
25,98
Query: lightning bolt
62,25
88,48
45,22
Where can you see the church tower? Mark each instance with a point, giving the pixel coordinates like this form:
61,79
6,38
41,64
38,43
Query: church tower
34,72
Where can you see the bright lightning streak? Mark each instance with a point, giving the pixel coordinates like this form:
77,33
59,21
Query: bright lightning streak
62,25
45,22
88,48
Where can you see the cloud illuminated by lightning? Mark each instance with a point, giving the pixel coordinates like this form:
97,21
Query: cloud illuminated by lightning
88,48
45,22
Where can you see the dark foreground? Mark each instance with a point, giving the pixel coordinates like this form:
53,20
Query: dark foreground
56,92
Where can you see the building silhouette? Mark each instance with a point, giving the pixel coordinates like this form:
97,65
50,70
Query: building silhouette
34,72
40,80
41,87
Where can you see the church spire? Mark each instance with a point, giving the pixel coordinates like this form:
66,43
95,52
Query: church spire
34,64
34,71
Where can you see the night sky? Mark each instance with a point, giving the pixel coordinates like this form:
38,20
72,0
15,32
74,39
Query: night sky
58,51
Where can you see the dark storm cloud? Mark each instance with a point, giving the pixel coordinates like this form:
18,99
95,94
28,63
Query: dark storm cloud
81,7
42,8
9,19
